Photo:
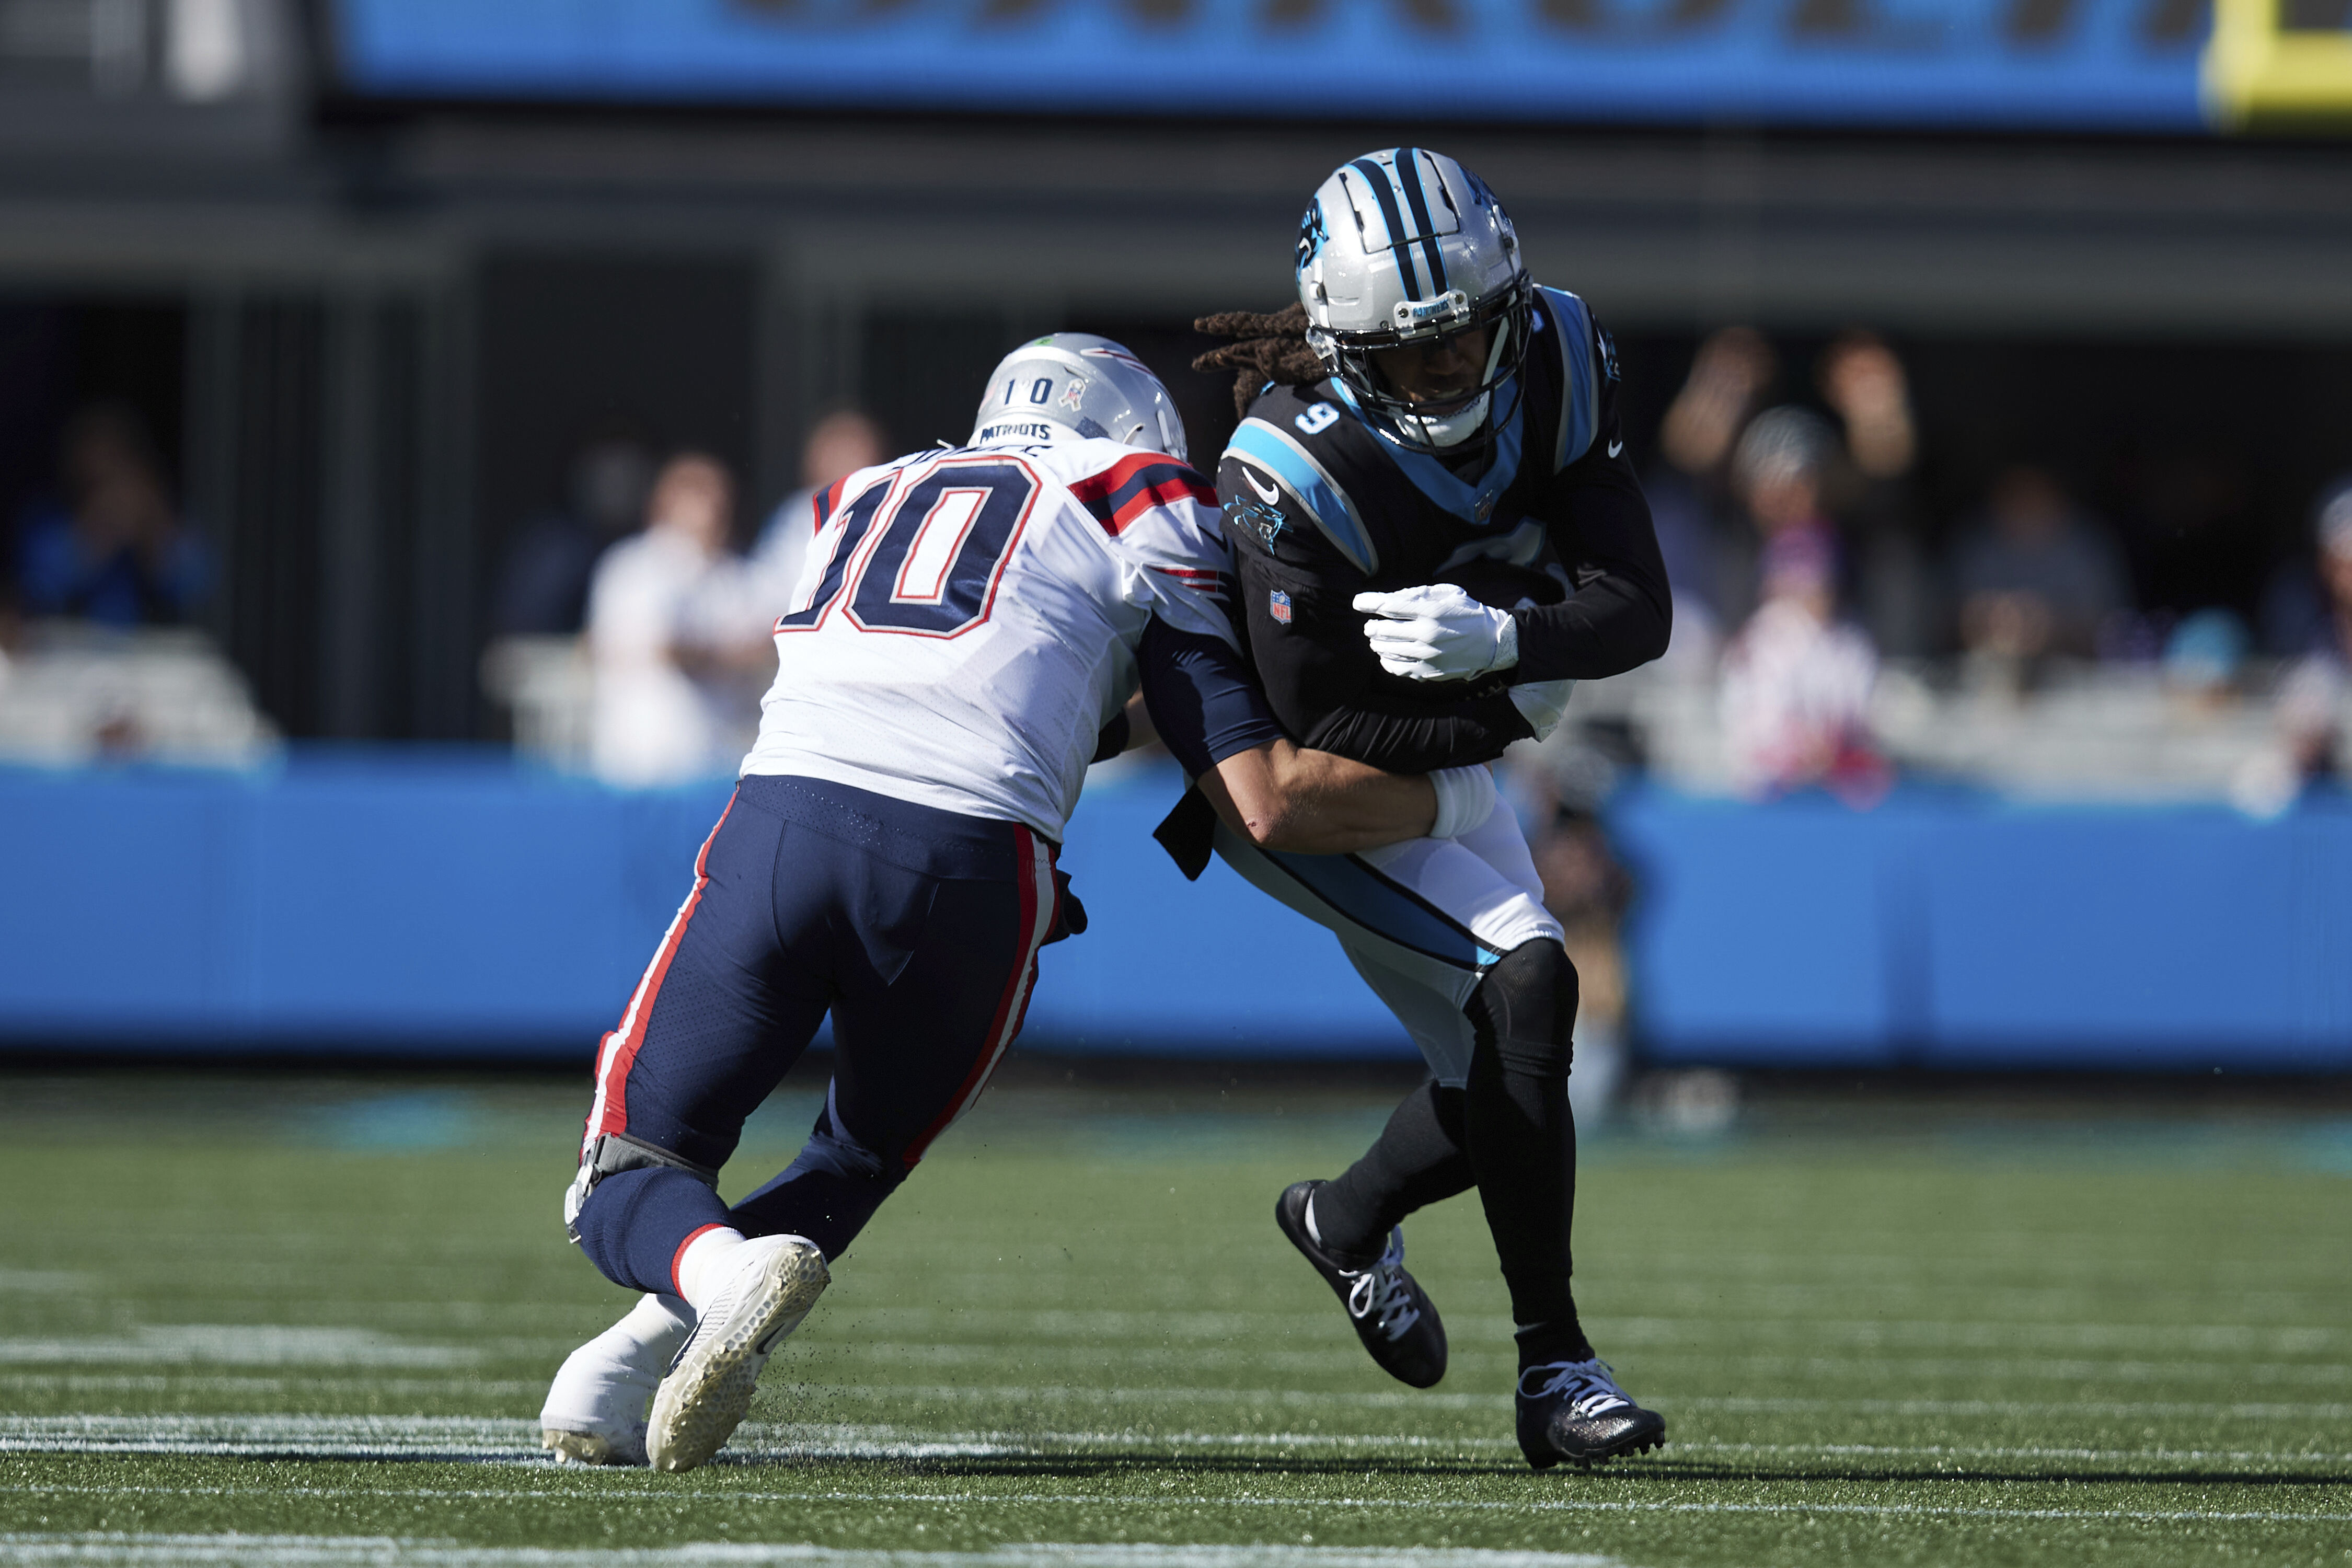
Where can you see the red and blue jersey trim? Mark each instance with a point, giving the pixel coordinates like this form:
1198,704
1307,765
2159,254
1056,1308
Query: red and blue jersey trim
827,500
1126,490
1205,580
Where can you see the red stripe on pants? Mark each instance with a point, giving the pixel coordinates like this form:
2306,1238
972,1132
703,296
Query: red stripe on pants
609,1112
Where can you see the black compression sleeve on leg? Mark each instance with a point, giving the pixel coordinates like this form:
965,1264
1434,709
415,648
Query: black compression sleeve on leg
1417,1161
1521,1140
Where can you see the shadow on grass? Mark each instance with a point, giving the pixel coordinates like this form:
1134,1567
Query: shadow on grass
1100,1464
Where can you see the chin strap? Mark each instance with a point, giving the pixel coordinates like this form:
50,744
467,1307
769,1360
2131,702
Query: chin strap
1452,430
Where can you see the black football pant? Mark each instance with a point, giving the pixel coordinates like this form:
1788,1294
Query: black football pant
1507,1131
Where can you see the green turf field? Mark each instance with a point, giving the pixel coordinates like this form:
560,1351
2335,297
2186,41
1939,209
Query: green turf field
308,1319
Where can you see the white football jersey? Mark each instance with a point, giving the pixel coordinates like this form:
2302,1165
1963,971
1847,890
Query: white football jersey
966,622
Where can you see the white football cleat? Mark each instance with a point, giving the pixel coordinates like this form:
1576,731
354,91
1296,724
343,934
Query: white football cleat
595,1409
776,1281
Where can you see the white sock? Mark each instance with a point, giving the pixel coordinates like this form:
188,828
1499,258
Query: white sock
704,1264
605,1385
651,1334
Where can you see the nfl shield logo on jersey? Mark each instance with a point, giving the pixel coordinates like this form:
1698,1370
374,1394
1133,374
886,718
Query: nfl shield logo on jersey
1278,605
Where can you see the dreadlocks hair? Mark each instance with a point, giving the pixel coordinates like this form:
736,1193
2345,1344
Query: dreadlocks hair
1267,348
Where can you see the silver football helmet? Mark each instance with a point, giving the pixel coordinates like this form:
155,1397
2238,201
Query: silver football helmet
1406,245
1076,383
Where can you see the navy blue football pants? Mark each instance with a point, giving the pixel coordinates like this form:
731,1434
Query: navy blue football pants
917,929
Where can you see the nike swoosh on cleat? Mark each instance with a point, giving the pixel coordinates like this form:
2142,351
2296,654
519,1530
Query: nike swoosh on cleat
1617,446
1264,493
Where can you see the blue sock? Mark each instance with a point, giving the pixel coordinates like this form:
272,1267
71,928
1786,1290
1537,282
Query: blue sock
634,1224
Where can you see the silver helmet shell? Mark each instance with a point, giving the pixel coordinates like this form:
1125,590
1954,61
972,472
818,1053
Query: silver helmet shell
1405,244
1078,383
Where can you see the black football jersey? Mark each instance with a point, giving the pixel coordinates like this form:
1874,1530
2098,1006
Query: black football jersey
1320,506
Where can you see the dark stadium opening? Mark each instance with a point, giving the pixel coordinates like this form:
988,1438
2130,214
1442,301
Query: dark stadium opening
2203,456
59,356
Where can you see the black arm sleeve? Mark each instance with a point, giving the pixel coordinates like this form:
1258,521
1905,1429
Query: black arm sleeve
1621,612
1202,700
1326,685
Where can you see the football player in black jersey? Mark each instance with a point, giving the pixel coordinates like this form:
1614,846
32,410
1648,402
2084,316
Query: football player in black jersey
1438,533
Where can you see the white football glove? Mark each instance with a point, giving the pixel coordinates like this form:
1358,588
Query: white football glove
1438,632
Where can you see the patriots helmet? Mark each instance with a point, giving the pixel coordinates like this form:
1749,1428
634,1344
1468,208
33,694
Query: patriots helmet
1076,383
1405,246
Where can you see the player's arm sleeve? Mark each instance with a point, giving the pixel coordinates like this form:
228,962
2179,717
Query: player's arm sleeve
1621,612
1323,680
1203,699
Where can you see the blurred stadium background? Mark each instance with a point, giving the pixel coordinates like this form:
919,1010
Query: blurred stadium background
1964,906
336,340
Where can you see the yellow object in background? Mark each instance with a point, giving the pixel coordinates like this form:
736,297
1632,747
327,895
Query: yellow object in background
2262,73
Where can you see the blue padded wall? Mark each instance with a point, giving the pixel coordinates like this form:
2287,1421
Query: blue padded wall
455,900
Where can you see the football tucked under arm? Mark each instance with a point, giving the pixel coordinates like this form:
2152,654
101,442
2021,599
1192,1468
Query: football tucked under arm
1466,628
1622,613
1323,682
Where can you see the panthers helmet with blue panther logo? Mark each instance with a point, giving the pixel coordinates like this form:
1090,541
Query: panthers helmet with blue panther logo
1076,383
1404,246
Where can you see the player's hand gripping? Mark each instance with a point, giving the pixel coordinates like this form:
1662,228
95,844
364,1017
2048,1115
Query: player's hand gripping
1438,632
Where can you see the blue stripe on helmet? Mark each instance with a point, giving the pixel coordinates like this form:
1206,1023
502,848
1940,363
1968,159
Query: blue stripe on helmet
1417,197
1385,192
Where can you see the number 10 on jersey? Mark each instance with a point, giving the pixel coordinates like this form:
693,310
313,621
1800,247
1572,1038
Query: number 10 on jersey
923,554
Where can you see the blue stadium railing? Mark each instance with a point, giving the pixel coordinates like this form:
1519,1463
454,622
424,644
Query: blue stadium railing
451,902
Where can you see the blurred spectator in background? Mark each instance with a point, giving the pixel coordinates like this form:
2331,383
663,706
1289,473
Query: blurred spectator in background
1795,697
674,634
2203,658
1709,553
2035,578
1778,472
2305,605
1893,580
542,588
841,443
2316,688
116,552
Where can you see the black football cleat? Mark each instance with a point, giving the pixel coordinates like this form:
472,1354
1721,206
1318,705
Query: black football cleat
1573,1411
1393,1317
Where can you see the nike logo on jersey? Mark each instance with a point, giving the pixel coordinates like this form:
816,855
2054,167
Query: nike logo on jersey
1617,446
1267,493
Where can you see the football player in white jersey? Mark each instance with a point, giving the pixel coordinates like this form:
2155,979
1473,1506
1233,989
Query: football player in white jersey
968,631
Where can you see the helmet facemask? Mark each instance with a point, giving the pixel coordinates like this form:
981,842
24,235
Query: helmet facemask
1450,422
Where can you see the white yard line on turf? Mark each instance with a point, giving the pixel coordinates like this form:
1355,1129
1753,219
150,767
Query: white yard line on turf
422,1436
183,1383
360,1551
238,1344
705,1498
